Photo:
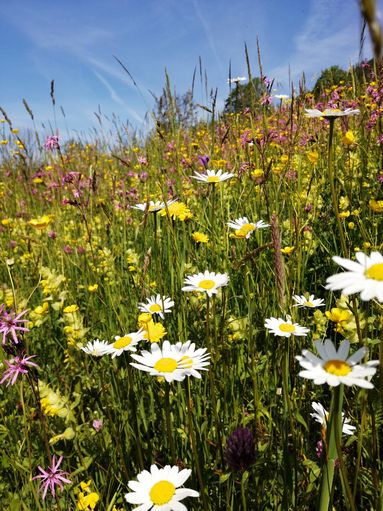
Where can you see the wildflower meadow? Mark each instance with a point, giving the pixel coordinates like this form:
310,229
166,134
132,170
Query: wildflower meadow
192,320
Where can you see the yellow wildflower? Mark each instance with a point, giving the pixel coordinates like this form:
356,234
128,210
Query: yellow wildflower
144,318
70,309
88,501
376,205
340,317
200,237
41,222
154,331
93,288
313,157
256,173
287,250
42,309
349,138
177,210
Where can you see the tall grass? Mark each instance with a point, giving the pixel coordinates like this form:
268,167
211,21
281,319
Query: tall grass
96,251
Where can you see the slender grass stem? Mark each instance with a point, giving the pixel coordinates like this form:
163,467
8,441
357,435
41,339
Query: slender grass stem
334,198
169,426
193,444
327,474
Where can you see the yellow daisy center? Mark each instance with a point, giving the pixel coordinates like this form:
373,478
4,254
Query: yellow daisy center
337,367
165,365
206,284
287,327
122,342
162,492
213,179
155,307
247,227
309,304
375,272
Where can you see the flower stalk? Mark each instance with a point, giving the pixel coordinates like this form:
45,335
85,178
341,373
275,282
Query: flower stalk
334,428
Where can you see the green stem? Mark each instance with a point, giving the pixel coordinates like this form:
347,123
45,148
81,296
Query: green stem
169,423
243,490
194,445
136,426
211,379
332,188
331,449
343,469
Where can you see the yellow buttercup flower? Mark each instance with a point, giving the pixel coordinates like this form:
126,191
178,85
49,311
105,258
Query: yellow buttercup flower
70,309
349,138
287,250
41,222
376,205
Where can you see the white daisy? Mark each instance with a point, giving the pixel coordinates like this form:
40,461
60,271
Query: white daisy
330,112
172,362
281,96
96,348
243,228
157,305
208,282
127,342
153,207
159,489
364,276
310,302
212,176
321,415
285,327
334,367
192,360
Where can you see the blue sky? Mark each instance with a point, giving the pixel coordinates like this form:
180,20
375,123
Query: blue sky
73,42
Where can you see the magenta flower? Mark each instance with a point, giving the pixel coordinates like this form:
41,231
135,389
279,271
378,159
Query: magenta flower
18,365
52,142
10,323
51,477
97,425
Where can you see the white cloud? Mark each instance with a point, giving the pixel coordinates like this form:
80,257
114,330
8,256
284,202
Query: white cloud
117,99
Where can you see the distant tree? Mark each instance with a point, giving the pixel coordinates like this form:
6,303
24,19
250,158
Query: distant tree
174,110
244,95
333,75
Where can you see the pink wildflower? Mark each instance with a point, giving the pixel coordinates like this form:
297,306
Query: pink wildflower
51,477
52,142
97,425
16,366
10,323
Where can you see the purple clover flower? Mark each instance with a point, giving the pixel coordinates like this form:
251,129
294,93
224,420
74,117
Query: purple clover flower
10,323
51,477
240,450
16,366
